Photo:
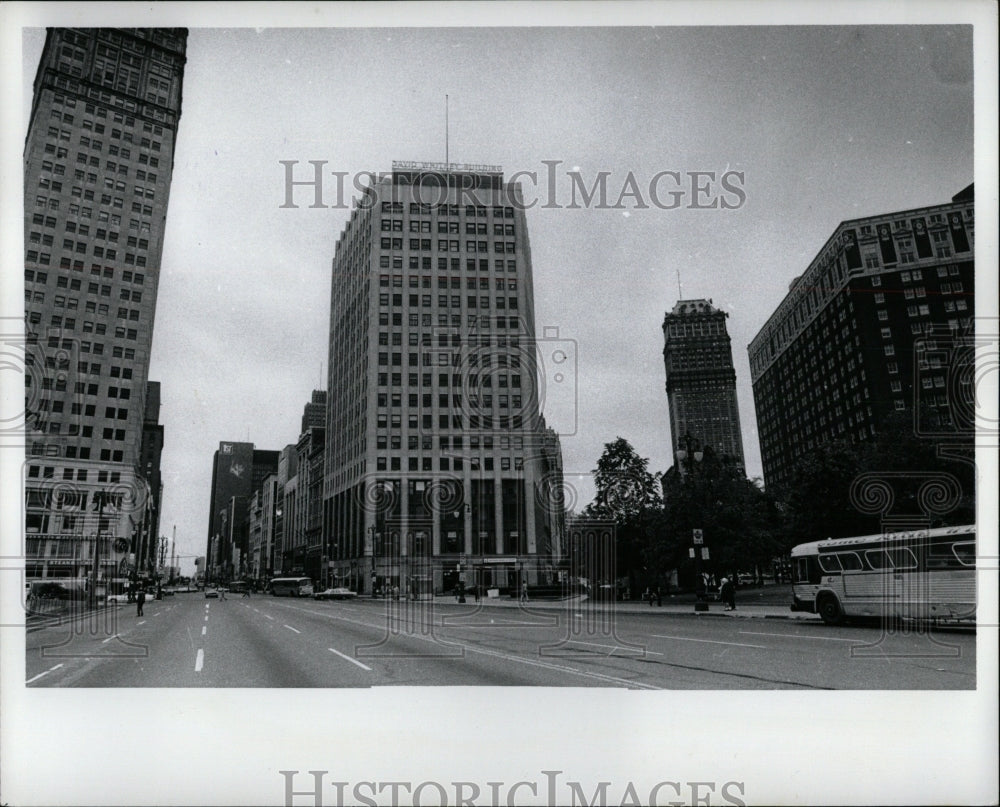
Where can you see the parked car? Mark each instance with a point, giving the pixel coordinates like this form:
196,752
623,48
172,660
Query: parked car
338,593
211,594
118,598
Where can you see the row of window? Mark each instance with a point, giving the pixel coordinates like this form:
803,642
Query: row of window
84,229
445,227
446,463
453,245
444,282
424,263
424,209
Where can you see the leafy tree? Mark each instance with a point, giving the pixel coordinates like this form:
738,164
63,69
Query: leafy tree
629,495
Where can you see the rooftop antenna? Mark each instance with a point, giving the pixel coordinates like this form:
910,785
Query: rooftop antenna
446,132
321,374
680,290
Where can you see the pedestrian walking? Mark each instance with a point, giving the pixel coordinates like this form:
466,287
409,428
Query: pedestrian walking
726,594
246,591
222,592
140,598
476,591
659,597
524,591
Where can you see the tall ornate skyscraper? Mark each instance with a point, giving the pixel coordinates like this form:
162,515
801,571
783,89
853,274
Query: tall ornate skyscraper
98,161
701,381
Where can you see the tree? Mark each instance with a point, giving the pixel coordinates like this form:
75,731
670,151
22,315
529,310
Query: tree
625,487
629,495
739,520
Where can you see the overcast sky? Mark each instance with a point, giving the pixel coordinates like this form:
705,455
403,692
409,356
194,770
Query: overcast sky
826,124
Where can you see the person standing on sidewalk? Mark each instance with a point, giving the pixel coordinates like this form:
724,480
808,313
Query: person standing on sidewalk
140,598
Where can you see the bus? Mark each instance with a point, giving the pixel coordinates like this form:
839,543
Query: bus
291,587
926,575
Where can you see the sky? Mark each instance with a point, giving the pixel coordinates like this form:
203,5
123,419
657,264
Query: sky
825,124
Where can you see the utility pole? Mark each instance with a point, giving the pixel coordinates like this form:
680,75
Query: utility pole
100,495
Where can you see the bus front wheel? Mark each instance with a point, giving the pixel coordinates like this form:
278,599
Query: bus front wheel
829,610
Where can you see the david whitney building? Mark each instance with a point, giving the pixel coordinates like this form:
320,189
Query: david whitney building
872,326
439,467
98,160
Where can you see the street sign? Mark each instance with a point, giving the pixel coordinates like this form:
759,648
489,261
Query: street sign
690,551
704,553
699,538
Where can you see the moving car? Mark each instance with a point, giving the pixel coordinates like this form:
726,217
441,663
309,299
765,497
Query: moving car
118,598
211,594
338,593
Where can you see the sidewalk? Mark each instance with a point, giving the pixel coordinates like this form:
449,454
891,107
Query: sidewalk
670,606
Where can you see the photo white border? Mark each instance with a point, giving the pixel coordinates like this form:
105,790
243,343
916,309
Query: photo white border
226,746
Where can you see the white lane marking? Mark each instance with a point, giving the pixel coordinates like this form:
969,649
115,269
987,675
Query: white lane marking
801,636
156,614
141,623
707,641
206,606
615,647
109,639
291,628
35,678
204,629
487,652
199,662
352,660
269,616
206,617
256,611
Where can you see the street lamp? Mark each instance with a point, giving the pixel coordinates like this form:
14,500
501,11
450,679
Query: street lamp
698,549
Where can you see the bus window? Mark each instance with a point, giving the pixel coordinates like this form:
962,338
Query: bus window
806,570
877,559
902,558
829,564
965,552
850,561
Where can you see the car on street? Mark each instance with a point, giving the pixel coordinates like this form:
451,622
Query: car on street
118,598
211,594
337,593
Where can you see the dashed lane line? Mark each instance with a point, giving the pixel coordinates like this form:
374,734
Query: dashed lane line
141,623
348,658
109,639
294,629
204,629
199,661
36,677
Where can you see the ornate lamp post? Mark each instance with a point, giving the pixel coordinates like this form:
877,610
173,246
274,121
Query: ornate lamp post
690,453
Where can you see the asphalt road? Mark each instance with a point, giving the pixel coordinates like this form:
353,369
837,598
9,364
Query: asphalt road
262,641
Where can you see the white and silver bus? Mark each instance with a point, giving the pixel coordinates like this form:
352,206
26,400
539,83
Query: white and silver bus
925,575
291,587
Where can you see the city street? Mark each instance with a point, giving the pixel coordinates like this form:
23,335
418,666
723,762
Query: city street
262,641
